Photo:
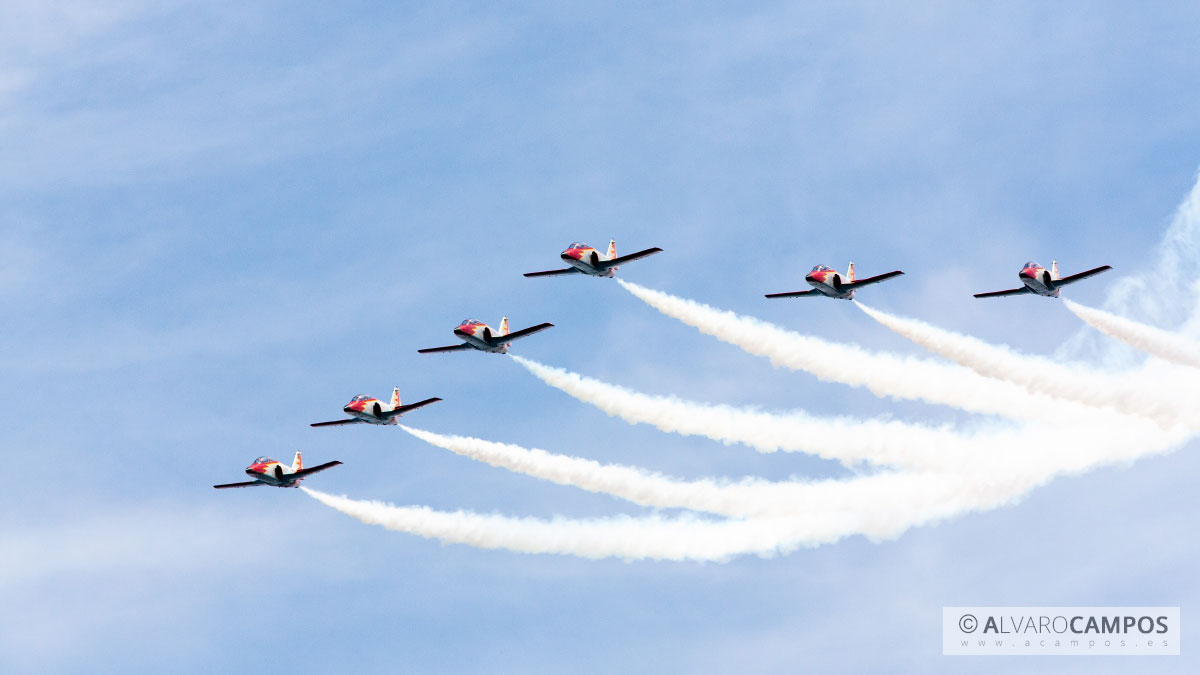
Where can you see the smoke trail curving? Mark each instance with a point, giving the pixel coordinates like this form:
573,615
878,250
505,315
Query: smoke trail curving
845,439
882,506
657,538
1121,395
1154,341
1053,450
881,374
748,497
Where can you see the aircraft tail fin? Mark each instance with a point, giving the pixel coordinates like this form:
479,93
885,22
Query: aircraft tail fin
297,463
612,249
1054,271
395,397
504,326
850,272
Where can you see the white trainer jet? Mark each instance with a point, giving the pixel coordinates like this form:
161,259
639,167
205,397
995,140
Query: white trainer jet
478,335
1040,281
365,409
584,259
267,471
827,282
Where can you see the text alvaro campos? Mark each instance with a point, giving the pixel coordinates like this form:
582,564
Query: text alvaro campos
1099,631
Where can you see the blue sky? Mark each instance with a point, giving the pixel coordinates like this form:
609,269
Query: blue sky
218,223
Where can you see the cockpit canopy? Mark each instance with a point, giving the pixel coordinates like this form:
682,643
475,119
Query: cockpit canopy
822,268
1030,265
263,460
360,397
471,322
578,244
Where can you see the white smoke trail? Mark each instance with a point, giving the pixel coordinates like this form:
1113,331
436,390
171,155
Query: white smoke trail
656,538
1120,395
1154,341
845,439
882,374
1166,297
1053,449
748,497
884,506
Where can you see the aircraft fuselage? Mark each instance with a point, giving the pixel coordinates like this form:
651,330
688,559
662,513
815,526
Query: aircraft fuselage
829,284
274,474
480,338
587,261
370,414
1038,280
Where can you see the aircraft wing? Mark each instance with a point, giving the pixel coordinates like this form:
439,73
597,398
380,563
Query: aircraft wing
405,408
1082,275
320,467
352,420
796,294
605,264
453,348
552,273
871,280
524,332
1011,291
233,485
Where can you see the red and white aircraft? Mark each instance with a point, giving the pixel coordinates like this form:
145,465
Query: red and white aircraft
369,410
825,281
478,335
584,259
266,471
1040,281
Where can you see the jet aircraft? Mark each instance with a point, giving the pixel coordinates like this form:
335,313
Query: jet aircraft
584,259
365,409
478,335
1040,281
267,471
827,282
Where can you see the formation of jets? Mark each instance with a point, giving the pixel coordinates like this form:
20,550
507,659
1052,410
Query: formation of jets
583,259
